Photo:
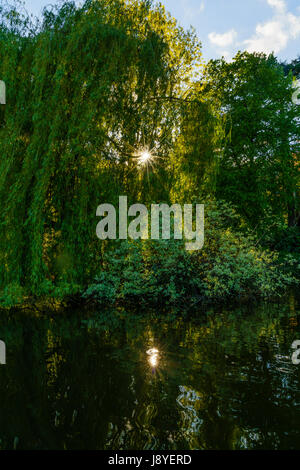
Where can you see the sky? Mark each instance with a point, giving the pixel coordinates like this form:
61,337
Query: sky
227,26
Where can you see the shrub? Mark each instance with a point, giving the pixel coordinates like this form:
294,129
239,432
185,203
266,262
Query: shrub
230,266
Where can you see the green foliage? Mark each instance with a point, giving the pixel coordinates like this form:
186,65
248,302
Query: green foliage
293,67
87,88
12,294
229,267
85,91
259,167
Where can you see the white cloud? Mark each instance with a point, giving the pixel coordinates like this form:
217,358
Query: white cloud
269,37
274,35
294,23
279,5
223,40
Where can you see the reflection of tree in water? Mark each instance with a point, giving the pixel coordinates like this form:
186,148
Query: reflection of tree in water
142,426
222,382
190,401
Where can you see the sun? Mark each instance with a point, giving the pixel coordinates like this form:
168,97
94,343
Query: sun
144,157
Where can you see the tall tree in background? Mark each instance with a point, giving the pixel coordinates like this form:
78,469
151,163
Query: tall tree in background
293,66
259,168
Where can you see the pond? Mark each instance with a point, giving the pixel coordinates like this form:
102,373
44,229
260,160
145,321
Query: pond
213,379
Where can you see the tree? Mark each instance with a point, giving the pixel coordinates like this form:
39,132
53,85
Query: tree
293,66
88,89
259,168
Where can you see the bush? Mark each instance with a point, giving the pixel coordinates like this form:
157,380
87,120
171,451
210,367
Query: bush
230,266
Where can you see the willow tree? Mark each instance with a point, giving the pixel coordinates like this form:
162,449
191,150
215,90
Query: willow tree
87,90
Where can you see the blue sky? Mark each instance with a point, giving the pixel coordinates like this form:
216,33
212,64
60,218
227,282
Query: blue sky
226,26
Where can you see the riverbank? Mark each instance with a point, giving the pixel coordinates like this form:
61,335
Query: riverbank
231,267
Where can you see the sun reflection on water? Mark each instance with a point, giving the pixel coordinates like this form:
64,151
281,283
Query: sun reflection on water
153,358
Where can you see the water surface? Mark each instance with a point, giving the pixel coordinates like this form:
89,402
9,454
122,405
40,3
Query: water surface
214,379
